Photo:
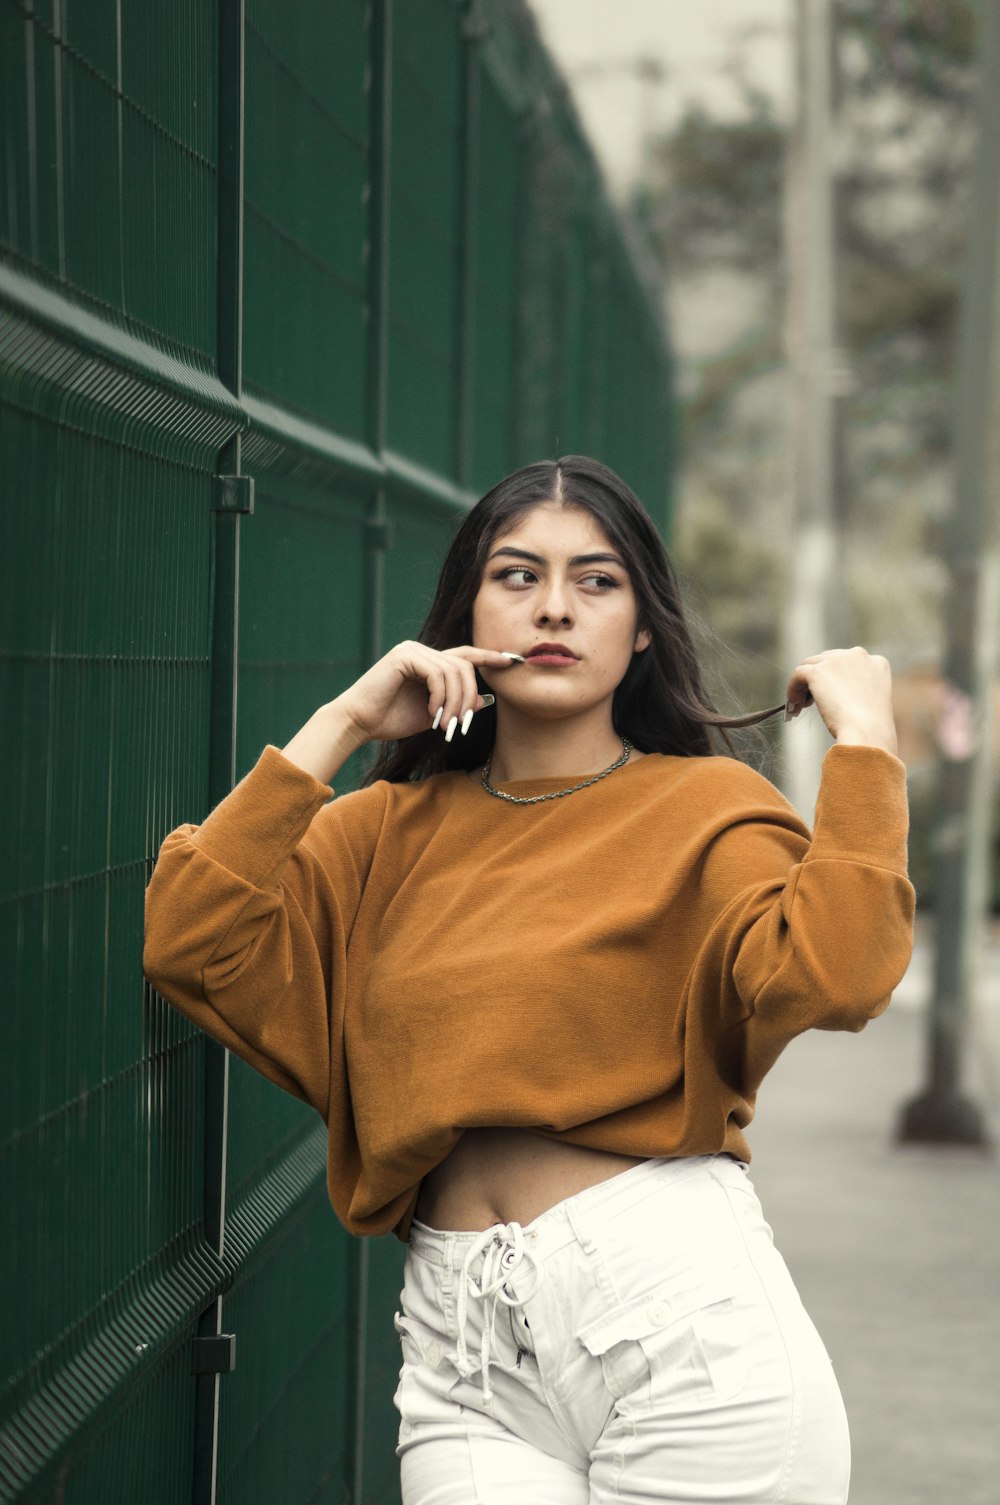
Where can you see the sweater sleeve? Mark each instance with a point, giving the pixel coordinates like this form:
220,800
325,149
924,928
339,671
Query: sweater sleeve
249,915
816,934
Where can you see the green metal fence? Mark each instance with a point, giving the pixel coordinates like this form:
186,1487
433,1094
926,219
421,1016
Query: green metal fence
354,257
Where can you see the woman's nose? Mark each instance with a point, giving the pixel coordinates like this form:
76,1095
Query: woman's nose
553,606
553,602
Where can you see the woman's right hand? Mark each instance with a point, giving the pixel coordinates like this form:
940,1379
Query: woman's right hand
414,688
411,689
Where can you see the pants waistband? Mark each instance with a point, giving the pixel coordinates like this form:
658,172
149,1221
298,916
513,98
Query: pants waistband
566,1220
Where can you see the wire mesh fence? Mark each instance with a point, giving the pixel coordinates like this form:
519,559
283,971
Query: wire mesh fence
374,280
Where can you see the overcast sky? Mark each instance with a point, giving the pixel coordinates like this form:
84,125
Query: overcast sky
597,44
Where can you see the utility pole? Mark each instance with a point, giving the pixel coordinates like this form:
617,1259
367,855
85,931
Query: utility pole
814,612
942,1113
651,75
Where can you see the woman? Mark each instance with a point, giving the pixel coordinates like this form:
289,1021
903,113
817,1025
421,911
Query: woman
532,977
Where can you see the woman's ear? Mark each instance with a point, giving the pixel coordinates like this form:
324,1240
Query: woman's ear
642,640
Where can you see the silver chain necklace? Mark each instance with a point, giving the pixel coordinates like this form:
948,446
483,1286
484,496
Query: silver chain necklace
536,799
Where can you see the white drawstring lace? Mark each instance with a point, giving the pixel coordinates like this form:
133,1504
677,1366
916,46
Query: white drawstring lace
504,1249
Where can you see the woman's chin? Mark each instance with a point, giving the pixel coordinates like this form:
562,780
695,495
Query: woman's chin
551,704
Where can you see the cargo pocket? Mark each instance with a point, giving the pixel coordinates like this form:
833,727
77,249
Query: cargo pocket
676,1350
419,1344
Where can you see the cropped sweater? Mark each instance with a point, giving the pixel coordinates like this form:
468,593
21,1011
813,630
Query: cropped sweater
618,969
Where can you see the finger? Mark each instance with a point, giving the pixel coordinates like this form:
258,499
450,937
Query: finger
445,691
437,693
798,683
466,657
472,700
479,700
469,692
798,695
456,704
453,708
495,658
795,707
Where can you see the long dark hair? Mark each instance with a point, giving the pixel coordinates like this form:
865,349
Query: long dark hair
660,704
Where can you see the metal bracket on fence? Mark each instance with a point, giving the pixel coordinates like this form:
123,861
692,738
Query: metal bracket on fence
214,1355
379,533
233,494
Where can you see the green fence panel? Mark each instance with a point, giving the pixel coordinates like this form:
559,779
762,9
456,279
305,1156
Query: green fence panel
139,1451
420,537
390,279
305,204
287,1422
299,648
288,1408
379,1419
105,665
496,264
110,129
423,164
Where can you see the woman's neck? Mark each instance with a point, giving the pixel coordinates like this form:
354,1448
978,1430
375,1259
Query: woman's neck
526,748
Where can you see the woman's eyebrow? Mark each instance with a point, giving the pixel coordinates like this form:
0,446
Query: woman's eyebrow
577,558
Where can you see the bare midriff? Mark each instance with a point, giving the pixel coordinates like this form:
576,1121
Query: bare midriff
509,1175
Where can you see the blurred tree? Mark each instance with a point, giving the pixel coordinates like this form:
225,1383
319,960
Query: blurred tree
712,205
715,189
907,76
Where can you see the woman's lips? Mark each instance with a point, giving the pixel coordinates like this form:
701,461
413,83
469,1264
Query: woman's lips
552,658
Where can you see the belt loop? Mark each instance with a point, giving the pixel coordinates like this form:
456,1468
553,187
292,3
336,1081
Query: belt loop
579,1228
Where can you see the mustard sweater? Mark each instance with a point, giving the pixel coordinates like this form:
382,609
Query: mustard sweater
618,969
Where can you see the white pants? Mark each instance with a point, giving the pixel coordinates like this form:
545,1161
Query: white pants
640,1341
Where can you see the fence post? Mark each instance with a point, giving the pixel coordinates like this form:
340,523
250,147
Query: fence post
233,498
378,538
474,32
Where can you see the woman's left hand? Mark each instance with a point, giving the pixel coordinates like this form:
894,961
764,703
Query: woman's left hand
852,690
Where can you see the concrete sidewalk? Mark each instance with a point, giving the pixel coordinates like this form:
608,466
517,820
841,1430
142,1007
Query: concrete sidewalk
895,1249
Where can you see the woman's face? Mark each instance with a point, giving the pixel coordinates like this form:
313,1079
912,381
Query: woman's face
555,580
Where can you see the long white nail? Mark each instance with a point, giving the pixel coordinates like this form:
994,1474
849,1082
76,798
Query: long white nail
489,700
451,729
518,658
437,719
467,722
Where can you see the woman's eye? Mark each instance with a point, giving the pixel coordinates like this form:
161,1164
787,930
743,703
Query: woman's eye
521,575
516,575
